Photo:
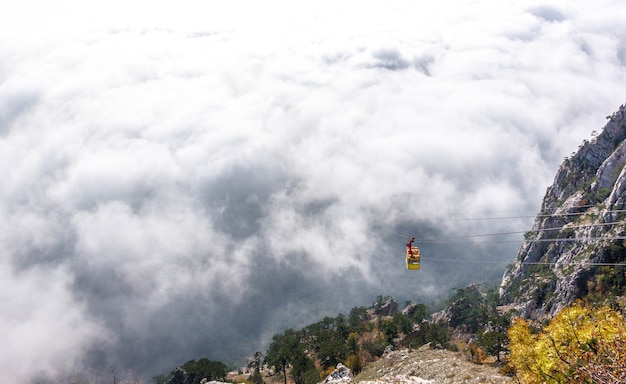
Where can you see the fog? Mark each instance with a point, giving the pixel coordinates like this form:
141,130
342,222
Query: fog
184,181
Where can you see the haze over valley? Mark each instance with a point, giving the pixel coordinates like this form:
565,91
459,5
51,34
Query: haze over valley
186,180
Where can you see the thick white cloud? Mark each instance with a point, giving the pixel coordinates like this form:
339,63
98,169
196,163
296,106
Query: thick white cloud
44,329
172,169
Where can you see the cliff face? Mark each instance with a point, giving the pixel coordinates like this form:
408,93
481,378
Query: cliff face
585,210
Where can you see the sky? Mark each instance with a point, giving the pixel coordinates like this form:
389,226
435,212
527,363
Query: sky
186,180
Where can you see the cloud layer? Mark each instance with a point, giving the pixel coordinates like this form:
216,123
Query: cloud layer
184,183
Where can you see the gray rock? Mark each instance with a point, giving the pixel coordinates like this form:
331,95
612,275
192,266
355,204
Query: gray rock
389,307
580,208
340,375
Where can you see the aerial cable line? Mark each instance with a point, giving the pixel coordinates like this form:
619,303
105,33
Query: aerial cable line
523,263
545,240
577,239
570,263
561,239
399,234
529,216
404,235
578,206
413,253
468,261
426,240
459,239
543,213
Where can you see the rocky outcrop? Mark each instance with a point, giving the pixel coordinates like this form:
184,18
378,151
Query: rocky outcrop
426,365
386,306
410,310
581,225
207,381
341,375
404,379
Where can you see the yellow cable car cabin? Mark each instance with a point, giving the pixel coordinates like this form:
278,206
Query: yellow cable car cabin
412,255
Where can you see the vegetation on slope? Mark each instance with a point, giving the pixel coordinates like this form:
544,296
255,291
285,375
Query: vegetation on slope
307,355
581,344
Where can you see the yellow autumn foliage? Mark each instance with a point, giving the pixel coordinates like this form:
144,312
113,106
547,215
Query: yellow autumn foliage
577,338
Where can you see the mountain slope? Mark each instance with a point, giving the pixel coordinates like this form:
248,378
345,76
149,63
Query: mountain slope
584,210
430,366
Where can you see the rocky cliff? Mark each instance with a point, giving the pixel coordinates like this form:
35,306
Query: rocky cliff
578,236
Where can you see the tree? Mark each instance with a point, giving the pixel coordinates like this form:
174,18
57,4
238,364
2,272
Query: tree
419,313
492,300
341,326
495,340
353,343
434,333
213,370
356,318
277,355
400,323
286,350
390,329
603,362
403,323
467,308
375,347
301,364
332,348
581,344
255,365
354,363
204,369
192,372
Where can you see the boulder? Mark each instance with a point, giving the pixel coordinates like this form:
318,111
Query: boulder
340,375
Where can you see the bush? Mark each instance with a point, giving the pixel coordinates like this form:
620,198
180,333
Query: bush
375,347
354,363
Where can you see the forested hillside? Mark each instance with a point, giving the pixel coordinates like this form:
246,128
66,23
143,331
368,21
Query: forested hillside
307,355
583,343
